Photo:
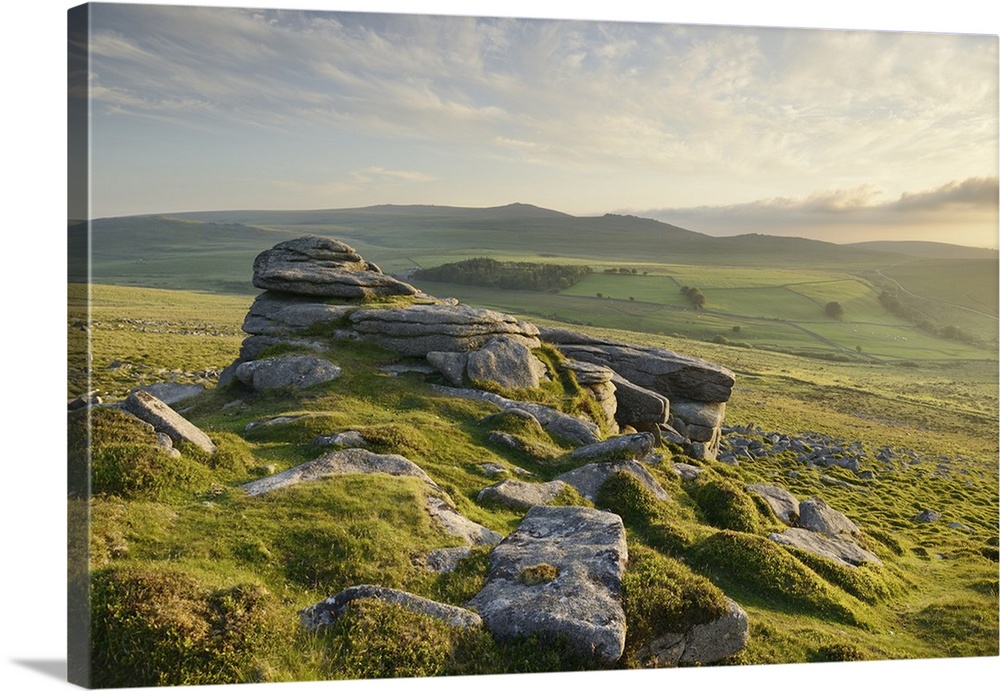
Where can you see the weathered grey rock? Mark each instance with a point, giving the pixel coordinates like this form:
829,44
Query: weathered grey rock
506,362
597,380
817,516
451,365
84,401
445,559
281,314
621,447
163,418
658,369
322,267
784,505
398,368
520,495
839,549
344,462
361,462
417,330
492,469
172,393
512,441
687,471
702,644
287,371
253,346
351,439
582,603
927,516
588,479
325,613
638,405
276,421
572,429
587,373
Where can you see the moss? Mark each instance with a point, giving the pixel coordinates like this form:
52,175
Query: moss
127,462
758,565
394,438
839,652
724,505
653,520
661,595
868,583
154,627
538,574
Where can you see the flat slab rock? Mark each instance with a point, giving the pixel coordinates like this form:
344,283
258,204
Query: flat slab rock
817,516
658,369
325,613
520,495
282,314
287,371
586,552
322,267
625,446
172,392
840,550
362,462
782,502
417,330
165,419
573,429
588,479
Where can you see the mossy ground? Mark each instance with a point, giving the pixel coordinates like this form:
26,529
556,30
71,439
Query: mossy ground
219,556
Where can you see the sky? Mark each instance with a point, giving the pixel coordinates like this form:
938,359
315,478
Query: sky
840,135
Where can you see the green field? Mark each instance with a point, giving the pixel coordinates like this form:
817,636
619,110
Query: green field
197,538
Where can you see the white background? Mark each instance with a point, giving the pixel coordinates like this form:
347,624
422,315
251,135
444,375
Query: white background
32,266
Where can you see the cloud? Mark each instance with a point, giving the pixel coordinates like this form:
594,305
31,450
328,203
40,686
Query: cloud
955,206
378,173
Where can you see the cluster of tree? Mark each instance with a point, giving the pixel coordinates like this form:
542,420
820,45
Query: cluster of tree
624,271
834,309
891,300
491,273
696,297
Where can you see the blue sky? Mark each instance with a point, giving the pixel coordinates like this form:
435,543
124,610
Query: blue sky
842,135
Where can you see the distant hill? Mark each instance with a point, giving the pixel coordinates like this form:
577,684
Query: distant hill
927,250
210,250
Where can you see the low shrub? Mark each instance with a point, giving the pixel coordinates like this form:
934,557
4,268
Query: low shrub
127,462
652,520
661,595
158,627
724,505
754,563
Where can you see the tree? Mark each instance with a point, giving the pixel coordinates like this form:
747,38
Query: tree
835,310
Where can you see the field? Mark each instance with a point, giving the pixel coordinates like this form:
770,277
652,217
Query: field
936,596
167,303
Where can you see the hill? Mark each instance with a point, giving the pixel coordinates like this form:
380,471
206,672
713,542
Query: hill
928,250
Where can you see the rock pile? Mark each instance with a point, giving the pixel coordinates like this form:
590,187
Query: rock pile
682,396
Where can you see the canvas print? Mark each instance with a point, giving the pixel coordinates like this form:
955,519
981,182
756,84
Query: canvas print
407,345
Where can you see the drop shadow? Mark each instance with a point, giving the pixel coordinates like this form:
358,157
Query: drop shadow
50,668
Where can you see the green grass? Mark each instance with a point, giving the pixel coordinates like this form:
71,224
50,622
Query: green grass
203,543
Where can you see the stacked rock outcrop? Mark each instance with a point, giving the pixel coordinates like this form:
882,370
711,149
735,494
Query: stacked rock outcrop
681,395
319,291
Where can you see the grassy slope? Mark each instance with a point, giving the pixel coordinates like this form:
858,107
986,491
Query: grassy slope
307,543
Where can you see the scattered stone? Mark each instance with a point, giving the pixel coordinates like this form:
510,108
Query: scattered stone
445,559
782,502
626,446
839,549
927,516
585,554
572,429
85,401
172,393
325,613
273,421
163,418
493,469
520,495
352,439
294,371
704,643
458,525
817,516
687,471
588,479
345,462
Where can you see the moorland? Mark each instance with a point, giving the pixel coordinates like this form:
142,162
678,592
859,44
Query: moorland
907,362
